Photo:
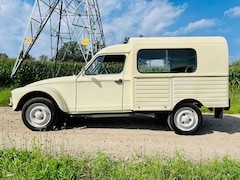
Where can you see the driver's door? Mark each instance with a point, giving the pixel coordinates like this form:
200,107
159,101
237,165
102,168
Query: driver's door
100,89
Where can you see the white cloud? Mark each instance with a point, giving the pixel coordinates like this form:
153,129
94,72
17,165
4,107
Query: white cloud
120,19
233,12
159,15
13,19
132,18
193,26
107,7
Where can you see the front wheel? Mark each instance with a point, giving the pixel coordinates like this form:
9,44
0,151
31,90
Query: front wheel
39,114
186,119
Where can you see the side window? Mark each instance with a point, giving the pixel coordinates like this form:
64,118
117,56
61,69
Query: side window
109,64
166,60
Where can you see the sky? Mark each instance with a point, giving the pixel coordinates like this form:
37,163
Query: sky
125,18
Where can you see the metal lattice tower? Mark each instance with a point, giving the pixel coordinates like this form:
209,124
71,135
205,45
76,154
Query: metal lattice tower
65,21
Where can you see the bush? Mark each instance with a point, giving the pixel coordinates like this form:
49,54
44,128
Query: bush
31,71
5,72
234,75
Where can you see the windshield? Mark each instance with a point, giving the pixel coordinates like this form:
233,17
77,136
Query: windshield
95,66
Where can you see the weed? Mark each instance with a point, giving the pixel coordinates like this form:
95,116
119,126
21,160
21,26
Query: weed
38,164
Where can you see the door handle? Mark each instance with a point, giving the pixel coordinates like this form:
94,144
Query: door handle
119,81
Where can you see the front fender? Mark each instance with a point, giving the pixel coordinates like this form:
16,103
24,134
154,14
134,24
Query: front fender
23,94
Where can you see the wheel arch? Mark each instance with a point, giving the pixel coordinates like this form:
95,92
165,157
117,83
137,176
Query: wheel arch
57,101
193,101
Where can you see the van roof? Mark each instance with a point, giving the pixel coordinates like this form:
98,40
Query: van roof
162,41
190,39
121,48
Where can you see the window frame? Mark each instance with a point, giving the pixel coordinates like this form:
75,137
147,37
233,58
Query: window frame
170,59
101,63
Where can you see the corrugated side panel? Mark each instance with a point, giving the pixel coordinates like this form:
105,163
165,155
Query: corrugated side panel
152,93
210,91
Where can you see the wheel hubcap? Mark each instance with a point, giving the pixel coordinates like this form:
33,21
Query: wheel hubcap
39,115
186,119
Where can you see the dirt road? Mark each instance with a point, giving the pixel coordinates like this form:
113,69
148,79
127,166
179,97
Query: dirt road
126,137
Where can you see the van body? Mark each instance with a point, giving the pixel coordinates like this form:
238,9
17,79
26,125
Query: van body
171,77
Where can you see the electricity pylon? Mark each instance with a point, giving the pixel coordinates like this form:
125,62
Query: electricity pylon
64,21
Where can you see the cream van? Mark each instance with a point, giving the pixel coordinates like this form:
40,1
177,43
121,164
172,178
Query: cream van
170,77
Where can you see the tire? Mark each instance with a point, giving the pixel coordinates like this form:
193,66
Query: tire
39,114
185,119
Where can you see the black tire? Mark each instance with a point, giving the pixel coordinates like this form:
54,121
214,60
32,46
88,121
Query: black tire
39,114
185,119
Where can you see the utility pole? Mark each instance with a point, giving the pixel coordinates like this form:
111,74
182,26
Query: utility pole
64,21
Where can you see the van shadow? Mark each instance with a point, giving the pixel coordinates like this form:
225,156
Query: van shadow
138,122
229,124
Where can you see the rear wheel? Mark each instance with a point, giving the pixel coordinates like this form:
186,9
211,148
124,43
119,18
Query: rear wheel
186,119
39,114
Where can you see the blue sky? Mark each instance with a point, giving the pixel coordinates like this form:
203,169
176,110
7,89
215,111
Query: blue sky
132,18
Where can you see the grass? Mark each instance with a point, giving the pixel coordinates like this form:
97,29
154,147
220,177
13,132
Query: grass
39,164
235,100
5,94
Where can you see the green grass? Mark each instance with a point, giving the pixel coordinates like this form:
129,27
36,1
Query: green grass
38,164
235,100
5,94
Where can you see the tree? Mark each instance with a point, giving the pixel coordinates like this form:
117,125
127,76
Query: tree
70,51
27,56
3,56
43,58
125,41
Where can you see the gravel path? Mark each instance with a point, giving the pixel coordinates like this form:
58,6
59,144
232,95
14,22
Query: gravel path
125,137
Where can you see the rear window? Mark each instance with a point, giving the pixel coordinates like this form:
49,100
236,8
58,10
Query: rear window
166,60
